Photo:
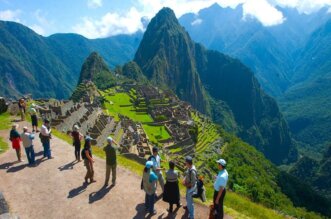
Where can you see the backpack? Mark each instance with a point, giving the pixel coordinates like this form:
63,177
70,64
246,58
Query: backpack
200,187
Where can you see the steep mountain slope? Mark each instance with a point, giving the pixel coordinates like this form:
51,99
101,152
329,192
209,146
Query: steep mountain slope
50,66
306,105
168,56
165,55
269,52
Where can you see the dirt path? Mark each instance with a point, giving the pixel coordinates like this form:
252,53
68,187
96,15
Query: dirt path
54,188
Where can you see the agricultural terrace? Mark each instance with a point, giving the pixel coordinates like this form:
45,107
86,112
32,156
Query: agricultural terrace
122,103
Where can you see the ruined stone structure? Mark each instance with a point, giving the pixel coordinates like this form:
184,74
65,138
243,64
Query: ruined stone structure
3,105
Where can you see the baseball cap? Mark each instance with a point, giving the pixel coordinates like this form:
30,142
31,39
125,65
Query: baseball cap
149,164
221,162
110,139
88,138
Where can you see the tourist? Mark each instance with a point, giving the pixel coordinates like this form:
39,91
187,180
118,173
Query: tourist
88,160
190,182
15,139
22,107
171,189
45,137
111,162
155,158
76,138
27,139
34,118
149,186
219,187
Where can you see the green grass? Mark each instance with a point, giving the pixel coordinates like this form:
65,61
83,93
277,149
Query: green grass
156,133
5,121
3,146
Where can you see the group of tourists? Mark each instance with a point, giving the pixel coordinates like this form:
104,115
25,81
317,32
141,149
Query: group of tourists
152,173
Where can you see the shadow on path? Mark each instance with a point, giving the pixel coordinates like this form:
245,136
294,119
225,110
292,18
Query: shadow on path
141,212
17,168
95,196
76,191
5,166
68,166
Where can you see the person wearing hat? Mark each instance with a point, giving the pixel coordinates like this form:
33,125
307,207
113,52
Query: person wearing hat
27,139
76,138
219,187
45,137
149,186
111,162
190,182
88,160
156,159
15,139
34,119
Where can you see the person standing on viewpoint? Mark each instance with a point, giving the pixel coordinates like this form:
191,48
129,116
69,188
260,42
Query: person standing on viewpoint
15,139
76,138
27,139
190,182
88,160
156,159
219,187
22,108
45,137
149,185
171,189
34,119
111,161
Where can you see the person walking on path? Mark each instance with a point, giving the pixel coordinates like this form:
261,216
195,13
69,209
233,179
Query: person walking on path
27,139
149,186
219,187
171,189
111,162
190,182
155,158
88,160
22,108
34,119
45,137
15,139
76,138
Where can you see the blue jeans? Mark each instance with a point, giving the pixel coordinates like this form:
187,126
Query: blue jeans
30,154
190,203
47,149
149,202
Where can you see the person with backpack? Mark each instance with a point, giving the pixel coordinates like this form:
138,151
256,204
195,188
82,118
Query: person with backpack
27,139
76,138
149,185
34,119
45,137
219,187
190,182
111,162
15,139
156,159
88,160
171,189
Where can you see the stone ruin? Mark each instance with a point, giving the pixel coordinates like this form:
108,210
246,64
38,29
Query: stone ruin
3,105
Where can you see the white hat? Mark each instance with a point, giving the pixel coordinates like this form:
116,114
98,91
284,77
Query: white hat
76,127
25,128
110,139
222,162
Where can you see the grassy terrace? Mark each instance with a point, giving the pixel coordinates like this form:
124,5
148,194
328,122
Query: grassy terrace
4,124
120,103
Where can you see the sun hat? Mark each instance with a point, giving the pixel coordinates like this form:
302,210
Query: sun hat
76,127
149,164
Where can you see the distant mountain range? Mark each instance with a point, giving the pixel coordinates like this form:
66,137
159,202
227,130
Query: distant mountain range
50,66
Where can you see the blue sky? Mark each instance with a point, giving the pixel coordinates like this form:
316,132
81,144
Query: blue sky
102,18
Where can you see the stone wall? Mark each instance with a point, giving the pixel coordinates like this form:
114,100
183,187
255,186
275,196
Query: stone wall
3,105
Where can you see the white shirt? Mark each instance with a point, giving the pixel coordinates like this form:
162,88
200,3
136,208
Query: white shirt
27,139
44,130
156,161
221,180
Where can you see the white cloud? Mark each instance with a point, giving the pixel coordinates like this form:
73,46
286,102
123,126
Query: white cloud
196,22
9,15
38,29
114,23
94,3
266,13
110,24
41,25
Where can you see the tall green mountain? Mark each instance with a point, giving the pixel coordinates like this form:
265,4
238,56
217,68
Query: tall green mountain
209,79
50,66
96,70
166,56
